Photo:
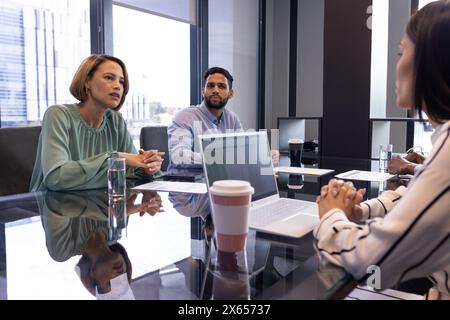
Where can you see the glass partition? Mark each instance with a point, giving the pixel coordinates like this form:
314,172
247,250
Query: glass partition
402,133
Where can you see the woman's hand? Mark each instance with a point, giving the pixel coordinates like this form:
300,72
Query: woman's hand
134,160
340,195
149,160
151,204
153,158
152,201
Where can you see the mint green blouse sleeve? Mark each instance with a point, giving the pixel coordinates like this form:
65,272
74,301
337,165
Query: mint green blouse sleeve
72,156
59,171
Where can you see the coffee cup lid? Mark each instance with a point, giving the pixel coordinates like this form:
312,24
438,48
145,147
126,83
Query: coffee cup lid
295,140
231,188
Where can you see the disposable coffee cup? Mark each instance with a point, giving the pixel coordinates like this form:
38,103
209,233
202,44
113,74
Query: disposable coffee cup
295,152
230,202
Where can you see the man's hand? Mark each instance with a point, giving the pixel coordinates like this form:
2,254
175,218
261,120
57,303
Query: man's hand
275,154
414,157
399,165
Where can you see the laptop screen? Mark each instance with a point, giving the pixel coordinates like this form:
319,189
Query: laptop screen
240,156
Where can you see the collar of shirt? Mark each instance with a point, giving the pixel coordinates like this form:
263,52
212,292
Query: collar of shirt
209,115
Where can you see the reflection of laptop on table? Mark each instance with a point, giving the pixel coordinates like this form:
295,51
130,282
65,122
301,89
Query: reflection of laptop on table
246,156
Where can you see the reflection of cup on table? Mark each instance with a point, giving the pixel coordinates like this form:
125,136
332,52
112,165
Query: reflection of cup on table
295,182
117,218
230,276
230,202
295,151
116,178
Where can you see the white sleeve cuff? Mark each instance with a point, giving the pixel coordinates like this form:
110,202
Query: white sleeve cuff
327,220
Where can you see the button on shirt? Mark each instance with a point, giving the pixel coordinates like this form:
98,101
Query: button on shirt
190,122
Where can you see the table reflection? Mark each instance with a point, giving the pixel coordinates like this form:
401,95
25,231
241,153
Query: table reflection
265,268
231,280
89,223
188,204
191,205
134,239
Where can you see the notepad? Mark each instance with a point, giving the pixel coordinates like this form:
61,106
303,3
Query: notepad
365,175
171,186
305,171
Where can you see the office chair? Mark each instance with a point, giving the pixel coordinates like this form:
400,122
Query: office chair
19,146
155,137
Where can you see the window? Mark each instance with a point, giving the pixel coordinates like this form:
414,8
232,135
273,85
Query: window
41,45
422,3
156,51
402,133
182,10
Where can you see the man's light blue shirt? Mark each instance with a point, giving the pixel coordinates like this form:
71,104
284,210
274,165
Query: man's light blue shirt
189,123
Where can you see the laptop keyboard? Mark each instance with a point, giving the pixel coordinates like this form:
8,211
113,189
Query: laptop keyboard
274,211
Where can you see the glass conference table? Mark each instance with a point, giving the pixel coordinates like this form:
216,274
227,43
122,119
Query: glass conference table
44,236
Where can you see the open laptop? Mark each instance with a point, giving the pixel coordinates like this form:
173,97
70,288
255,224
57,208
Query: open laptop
246,156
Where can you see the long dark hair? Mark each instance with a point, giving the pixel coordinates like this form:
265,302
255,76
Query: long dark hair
429,30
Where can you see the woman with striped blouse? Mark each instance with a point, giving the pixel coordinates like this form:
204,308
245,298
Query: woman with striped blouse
407,231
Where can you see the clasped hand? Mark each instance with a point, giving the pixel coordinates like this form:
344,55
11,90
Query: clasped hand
338,194
151,204
153,159
149,160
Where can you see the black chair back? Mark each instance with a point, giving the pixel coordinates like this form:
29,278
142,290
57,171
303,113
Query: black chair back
155,137
18,147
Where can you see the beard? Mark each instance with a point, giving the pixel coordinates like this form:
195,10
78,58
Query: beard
216,105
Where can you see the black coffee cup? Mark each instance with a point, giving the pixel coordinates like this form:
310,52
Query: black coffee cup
295,182
295,152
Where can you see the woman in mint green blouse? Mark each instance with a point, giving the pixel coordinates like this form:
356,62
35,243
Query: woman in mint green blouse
77,139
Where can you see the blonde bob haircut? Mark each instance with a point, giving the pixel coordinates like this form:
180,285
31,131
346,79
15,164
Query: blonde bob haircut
87,70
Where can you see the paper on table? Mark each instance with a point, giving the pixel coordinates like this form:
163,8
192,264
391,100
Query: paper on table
306,171
365,175
172,186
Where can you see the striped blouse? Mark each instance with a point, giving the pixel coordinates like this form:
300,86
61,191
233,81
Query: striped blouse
406,231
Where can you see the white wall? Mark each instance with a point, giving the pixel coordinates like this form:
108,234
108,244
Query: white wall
310,58
378,80
277,61
309,61
233,45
